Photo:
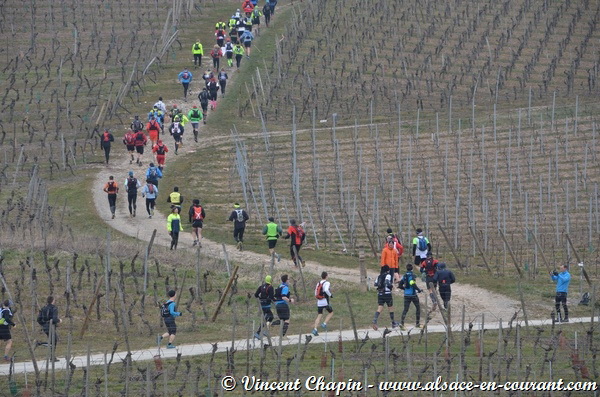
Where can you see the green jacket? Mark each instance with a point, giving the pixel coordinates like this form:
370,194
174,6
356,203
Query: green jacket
199,50
272,230
195,119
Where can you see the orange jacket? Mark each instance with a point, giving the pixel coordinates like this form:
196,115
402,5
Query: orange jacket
111,187
389,257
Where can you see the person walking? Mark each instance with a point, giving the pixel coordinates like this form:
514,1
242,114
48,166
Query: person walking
265,294
223,80
174,226
247,39
136,124
562,278
213,90
160,150
421,246
229,52
389,257
203,97
49,320
444,278
296,235
272,3
168,313
195,116
129,142
238,51
106,140
282,302
131,187
150,192
323,295
197,51
6,323
154,174
176,130
267,13
239,217
384,286
185,78
175,198
428,269
196,218
111,188
272,231
140,142
410,287
216,55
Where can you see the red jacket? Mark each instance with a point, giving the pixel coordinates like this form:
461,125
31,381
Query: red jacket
247,6
129,138
140,138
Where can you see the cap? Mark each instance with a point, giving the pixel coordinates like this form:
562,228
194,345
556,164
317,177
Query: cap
159,141
130,173
268,279
442,265
236,205
271,219
174,106
151,164
195,106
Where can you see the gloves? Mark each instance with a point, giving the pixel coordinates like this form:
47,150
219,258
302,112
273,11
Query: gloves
555,273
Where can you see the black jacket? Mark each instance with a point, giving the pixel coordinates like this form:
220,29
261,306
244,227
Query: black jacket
444,277
47,313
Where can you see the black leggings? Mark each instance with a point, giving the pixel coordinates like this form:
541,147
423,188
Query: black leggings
216,63
106,148
132,201
112,202
238,234
174,239
150,203
407,301
238,60
293,254
561,297
198,58
185,88
223,83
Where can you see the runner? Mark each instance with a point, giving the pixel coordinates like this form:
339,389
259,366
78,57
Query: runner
6,322
105,141
223,81
273,231
220,34
216,55
282,301
239,217
174,112
153,127
161,105
136,124
562,278
272,3
233,35
174,226
267,13
323,295
238,51
140,143
203,98
131,187
185,78
444,278
111,189
197,51
247,6
168,314
195,115
384,286
409,285
176,130
207,76
160,150
421,246
129,141
220,25
48,318
196,215
255,17
247,38
266,295
429,268
150,192
175,198
154,174
213,90
389,257
297,235
229,52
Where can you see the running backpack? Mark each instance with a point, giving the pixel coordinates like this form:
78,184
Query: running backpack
43,316
131,185
585,299
319,291
204,97
150,188
228,47
422,244
240,215
111,187
164,309
198,213
196,46
264,294
185,75
430,267
153,175
195,113
160,150
299,234
137,125
380,282
3,320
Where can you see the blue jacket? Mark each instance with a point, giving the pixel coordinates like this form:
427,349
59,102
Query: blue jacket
247,36
182,80
562,281
405,284
158,172
172,310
